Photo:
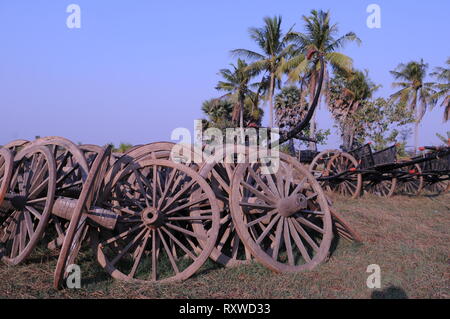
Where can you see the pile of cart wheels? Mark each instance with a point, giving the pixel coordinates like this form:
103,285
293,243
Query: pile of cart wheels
152,214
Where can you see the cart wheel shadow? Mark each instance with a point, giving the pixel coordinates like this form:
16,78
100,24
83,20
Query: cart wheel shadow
98,277
334,243
337,240
391,292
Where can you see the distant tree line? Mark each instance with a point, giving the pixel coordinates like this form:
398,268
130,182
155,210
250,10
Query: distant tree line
281,74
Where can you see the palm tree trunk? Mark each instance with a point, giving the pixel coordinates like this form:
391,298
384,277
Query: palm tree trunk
271,93
312,126
416,126
241,117
416,137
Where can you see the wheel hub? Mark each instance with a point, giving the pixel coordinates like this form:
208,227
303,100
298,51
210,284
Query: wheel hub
292,204
19,202
152,218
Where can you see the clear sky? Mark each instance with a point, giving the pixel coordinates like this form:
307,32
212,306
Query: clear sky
136,70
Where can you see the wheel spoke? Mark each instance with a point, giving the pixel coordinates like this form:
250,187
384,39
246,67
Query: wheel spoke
187,205
305,235
186,232
128,247
298,242
154,258
169,253
257,193
175,240
276,244
260,219
267,230
307,223
32,210
287,241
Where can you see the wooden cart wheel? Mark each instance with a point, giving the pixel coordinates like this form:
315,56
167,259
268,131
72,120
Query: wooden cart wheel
154,238
77,228
16,145
6,167
218,172
412,183
350,184
32,192
159,150
318,166
438,187
59,224
282,218
72,170
72,167
90,152
382,184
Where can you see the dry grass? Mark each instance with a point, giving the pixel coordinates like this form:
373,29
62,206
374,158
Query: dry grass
408,237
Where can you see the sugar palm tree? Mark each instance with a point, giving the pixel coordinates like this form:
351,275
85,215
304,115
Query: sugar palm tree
236,84
218,112
321,36
442,75
348,93
414,92
274,46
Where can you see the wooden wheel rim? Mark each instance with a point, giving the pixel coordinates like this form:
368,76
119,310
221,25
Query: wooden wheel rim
383,188
15,145
26,217
159,150
413,183
324,154
90,152
160,245
6,168
76,156
283,223
343,162
70,147
325,157
439,187
228,242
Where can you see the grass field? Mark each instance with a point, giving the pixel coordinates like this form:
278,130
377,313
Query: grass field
409,238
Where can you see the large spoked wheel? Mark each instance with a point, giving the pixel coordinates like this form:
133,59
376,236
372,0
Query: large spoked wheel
282,218
16,145
412,182
158,150
319,165
349,184
383,185
154,238
90,152
438,187
72,170
229,250
30,199
6,166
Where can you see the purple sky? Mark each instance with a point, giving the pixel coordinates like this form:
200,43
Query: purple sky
138,69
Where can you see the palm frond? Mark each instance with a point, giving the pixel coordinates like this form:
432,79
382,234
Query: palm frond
248,54
340,61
